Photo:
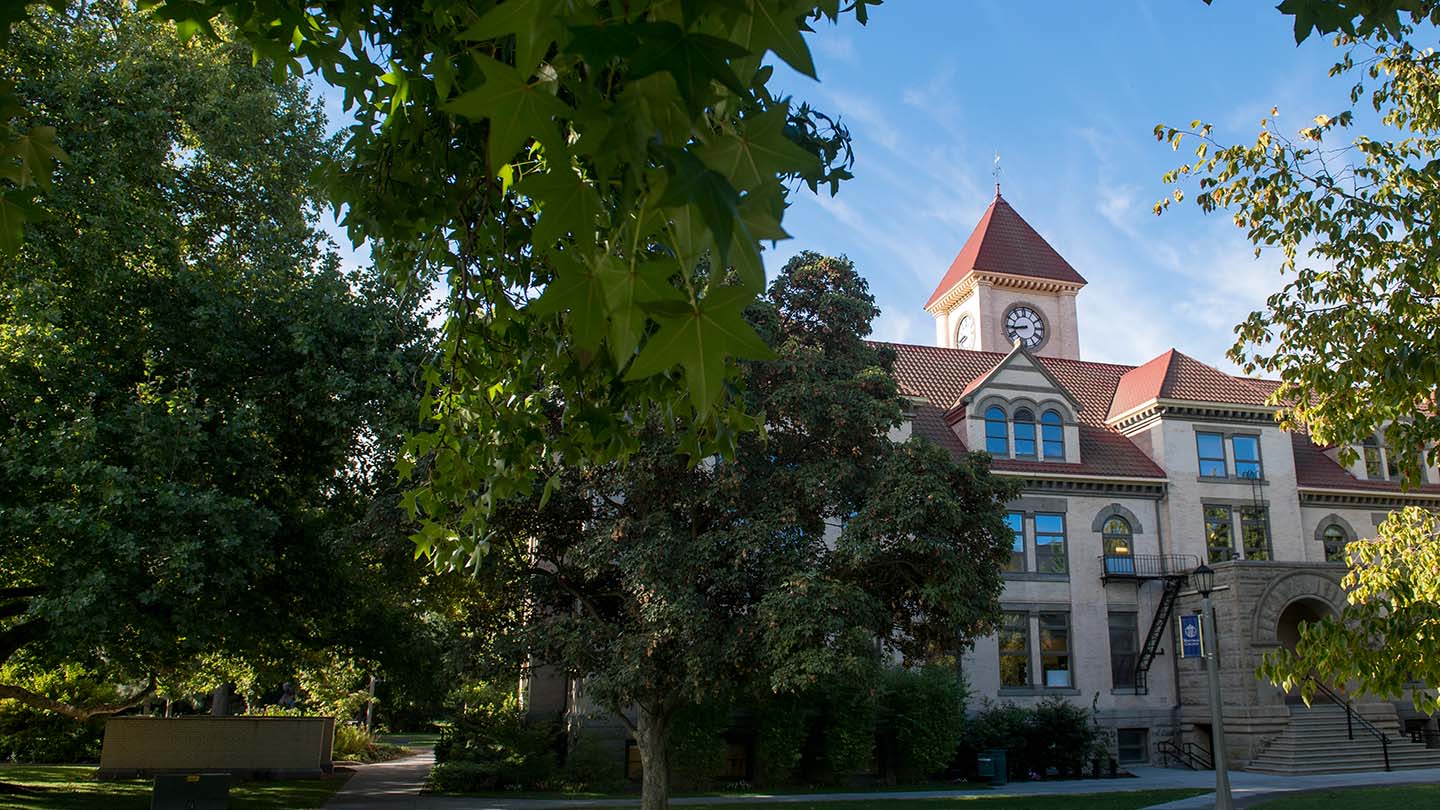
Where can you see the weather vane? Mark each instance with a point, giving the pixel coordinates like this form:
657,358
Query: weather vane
997,172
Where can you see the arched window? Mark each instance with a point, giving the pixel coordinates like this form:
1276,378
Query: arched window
1335,539
1052,434
1024,433
1118,540
997,435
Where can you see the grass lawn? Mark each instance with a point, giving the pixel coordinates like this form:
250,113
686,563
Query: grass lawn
1132,800
418,739
1401,797
71,787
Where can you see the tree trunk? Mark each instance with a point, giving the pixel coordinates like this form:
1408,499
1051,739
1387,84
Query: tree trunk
651,734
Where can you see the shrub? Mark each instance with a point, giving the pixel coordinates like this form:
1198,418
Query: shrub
782,725
592,765
494,735
920,720
352,742
697,746
1060,736
1053,734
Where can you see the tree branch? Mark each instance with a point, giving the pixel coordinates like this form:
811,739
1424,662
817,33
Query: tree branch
81,714
27,592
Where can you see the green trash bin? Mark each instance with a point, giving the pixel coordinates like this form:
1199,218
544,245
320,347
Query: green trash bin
990,764
191,791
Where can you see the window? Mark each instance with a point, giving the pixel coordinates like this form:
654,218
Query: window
1255,532
1050,544
1015,650
1016,522
1374,470
1124,649
1132,745
997,435
1335,540
1117,540
1219,534
1211,449
1024,433
1052,434
1055,649
1246,450
1392,465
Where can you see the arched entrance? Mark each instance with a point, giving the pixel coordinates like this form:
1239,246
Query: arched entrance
1301,611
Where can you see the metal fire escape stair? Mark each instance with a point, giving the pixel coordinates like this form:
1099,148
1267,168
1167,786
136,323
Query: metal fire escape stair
1173,570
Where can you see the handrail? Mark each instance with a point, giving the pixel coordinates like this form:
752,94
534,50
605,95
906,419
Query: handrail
1352,715
1147,566
1189,754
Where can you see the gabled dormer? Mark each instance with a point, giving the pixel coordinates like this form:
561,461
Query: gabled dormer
1018,410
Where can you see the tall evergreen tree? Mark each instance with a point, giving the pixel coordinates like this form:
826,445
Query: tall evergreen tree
822,543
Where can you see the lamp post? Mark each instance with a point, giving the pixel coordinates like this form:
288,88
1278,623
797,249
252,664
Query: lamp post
1203,578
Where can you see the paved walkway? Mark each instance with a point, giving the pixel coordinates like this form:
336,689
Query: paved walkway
396,786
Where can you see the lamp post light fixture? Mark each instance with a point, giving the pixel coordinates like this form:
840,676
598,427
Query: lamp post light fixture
1203,580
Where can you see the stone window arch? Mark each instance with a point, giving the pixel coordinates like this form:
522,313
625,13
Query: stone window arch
997,432
1333,533
1116,510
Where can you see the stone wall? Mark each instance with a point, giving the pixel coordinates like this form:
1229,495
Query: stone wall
278,746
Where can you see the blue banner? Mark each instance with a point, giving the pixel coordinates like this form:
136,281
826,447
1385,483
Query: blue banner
1191,638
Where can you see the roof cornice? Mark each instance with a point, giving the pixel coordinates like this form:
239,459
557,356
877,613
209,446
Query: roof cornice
966,285
1160,407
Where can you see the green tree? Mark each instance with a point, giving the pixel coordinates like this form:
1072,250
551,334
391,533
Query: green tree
667,579
1356,219
588,151
1387,637
197,407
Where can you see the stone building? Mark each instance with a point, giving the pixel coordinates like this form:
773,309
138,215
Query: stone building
1132,476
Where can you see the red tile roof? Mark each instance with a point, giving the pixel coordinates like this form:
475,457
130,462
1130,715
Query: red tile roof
941,375
1315,470
1003,242
1173,375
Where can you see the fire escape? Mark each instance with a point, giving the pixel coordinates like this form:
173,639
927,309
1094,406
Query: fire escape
1172,570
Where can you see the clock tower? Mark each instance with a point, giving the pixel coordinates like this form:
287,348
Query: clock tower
1007,284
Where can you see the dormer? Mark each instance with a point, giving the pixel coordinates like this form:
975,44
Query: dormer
1018,410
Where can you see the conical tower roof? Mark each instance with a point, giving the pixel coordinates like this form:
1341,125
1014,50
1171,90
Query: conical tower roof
1003,242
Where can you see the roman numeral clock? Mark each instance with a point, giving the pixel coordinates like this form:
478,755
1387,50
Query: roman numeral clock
1025,325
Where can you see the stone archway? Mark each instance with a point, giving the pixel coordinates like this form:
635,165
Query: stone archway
1314,594
1299,612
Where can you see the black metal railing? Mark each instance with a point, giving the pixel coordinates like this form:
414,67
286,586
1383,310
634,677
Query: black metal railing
1188,754
1352,717
1427,736
1148,566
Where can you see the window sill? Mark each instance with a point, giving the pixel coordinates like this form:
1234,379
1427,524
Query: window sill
1036,576
1020,691
1231,479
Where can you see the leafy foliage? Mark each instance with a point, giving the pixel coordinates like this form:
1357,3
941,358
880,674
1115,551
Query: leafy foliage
920,721
1387,638
201,410
588,151
1053,734
1351,336
28,734
663,582
492,745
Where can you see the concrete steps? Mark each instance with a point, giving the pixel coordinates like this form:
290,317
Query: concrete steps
1316,741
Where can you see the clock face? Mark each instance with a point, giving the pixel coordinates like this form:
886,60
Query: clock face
1025,325
965,333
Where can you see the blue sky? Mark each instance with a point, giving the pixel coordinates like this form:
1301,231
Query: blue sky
1069,94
